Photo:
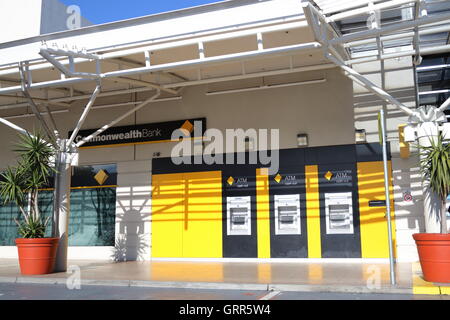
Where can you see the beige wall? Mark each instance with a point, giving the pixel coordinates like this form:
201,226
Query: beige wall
324,111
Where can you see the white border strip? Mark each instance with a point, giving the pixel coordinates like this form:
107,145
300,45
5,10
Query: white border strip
253,260
271,295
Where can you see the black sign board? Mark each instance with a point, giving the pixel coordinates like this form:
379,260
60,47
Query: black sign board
377,203
144,133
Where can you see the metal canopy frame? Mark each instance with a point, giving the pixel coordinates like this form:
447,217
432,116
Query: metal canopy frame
398,31
65,61
335,46
425,121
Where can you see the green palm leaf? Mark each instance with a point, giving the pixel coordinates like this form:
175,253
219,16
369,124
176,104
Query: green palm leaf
21,184
435,167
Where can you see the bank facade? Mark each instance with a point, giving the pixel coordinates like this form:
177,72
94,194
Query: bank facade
232,65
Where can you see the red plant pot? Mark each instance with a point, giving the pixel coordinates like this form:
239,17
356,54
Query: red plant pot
434,255
37,256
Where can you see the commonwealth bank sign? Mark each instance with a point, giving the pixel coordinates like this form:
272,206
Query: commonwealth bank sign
139,134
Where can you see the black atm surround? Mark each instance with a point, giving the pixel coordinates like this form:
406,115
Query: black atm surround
240,246
336,160
343,157
292,182
340,245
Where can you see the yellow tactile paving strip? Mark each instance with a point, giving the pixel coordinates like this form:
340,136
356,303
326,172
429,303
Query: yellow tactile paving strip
420,286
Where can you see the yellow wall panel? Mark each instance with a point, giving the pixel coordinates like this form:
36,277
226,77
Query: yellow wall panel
202,224
263,213
167,215
374,229
313,211
187,215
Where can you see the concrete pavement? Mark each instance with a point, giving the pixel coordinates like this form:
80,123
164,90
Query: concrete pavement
343,277
19,292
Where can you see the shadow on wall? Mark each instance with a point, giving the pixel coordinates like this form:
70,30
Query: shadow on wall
130,243
409,180
123,252
132,240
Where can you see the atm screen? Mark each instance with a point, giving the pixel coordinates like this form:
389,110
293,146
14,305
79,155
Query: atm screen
339,213
339,216
239,216
287,214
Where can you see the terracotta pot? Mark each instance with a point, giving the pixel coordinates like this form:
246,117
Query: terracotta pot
37,256
434,254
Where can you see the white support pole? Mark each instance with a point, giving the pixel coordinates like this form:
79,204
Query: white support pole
148,59
52,121
106,127
85,114
388,198
369,85
45,53
445,105
13,126
142,83
416,39
69,53
201,50
57,64
35,109
260,40
61,203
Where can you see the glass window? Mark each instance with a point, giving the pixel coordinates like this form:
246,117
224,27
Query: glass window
92,209
8,228
433,77
93,217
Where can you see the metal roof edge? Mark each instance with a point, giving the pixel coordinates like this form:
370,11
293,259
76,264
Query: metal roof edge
222,5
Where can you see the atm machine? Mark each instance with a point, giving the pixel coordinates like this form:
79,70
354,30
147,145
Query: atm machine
287,215
239,216
339,213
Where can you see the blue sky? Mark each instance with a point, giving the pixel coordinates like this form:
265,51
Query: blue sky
103,11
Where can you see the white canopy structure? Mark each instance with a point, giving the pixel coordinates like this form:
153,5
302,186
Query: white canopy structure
227,41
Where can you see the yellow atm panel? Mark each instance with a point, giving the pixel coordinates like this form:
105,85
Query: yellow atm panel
187,215
202,223
167,215
313,212
374,229
263,213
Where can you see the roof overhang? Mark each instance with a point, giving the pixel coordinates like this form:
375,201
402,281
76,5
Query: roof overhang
227,41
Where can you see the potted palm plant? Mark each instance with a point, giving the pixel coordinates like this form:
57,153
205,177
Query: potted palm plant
434,249
20,185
